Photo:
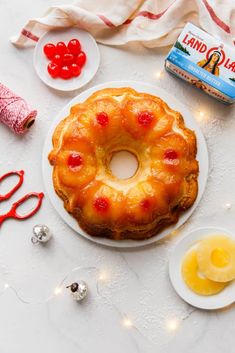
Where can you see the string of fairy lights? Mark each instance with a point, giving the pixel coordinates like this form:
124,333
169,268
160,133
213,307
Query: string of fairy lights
102,278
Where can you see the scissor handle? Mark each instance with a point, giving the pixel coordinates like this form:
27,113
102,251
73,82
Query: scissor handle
20,174
13,211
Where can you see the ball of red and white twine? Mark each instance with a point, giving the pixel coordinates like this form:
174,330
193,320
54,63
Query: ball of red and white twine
15,112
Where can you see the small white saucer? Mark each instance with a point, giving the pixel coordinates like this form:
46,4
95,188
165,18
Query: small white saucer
88,45
217,301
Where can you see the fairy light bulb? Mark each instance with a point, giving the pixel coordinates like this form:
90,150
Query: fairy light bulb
127,323
158,74
172,324
58,290
103,276
6,285
228,205
201,114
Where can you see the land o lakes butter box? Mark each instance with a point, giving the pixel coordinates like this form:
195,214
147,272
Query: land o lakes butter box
205,62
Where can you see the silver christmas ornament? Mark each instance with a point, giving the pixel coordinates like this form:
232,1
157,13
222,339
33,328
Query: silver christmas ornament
41,234
78,290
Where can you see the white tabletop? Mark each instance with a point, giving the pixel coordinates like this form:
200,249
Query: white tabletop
137,287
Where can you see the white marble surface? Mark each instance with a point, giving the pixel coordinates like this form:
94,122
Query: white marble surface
137,285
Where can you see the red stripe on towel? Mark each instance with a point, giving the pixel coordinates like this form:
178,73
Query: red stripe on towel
215,18
148,14
29,35
106,21
153,16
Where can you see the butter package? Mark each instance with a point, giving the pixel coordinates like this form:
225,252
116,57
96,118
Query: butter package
205,62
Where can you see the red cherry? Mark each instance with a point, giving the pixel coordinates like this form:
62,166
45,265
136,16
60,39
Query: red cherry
74,160
61,48
101,204
53,70
145,118
102,118
76,70
81,59
57,59
65,72
49,50
145,204
68,59
74,46
170,154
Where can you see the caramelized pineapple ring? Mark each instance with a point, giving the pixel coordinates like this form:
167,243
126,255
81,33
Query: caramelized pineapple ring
145,201
101,203
194,280
216,258
146,117
75,164
172,160
102,118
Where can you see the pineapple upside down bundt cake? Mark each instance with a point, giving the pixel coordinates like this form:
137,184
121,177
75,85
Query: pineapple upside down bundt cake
164,185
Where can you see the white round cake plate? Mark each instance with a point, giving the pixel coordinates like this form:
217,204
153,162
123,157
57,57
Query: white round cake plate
202,157
88,45
217,301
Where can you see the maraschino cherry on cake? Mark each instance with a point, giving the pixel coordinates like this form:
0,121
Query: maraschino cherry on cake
164,185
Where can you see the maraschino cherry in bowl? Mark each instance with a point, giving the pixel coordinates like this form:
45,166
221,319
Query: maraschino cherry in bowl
66,59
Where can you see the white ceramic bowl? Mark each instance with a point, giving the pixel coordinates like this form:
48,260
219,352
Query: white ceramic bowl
88,45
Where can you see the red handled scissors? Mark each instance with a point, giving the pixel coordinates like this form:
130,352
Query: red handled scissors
12,213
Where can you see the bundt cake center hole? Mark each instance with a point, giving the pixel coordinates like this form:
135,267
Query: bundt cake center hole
123,164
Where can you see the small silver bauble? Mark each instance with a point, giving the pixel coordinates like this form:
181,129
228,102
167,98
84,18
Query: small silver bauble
41,234
78,290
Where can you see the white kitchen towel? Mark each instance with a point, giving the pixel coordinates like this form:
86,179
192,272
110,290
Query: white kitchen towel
154,23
